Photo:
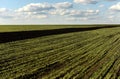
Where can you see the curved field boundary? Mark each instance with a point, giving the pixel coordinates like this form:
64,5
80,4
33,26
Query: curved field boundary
21,35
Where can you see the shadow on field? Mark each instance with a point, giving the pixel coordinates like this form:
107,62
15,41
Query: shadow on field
21,35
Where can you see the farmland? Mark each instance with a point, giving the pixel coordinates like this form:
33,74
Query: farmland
14,28
87,54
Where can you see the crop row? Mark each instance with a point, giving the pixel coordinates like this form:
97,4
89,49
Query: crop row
78,55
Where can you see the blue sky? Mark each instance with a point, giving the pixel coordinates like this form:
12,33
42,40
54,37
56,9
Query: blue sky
59,11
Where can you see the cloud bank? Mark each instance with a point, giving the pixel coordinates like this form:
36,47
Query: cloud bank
86,1
115,7
64,10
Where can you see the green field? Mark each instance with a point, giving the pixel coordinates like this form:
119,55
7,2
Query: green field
14,28
91,54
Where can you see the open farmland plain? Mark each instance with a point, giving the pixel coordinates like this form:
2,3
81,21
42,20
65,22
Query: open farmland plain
87,54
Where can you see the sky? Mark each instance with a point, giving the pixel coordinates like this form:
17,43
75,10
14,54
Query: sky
59,12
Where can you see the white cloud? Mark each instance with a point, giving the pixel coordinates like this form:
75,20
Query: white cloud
35,10
90,1
42,7
77,19
38,16
5,13
24,13
3,10
42,10
84,15
35,7
115,7
65,10
63,5
111,17
111,0
59,12
79,13
86,1
74,13
101,5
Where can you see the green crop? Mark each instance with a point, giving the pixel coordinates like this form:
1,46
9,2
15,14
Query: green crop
91,54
